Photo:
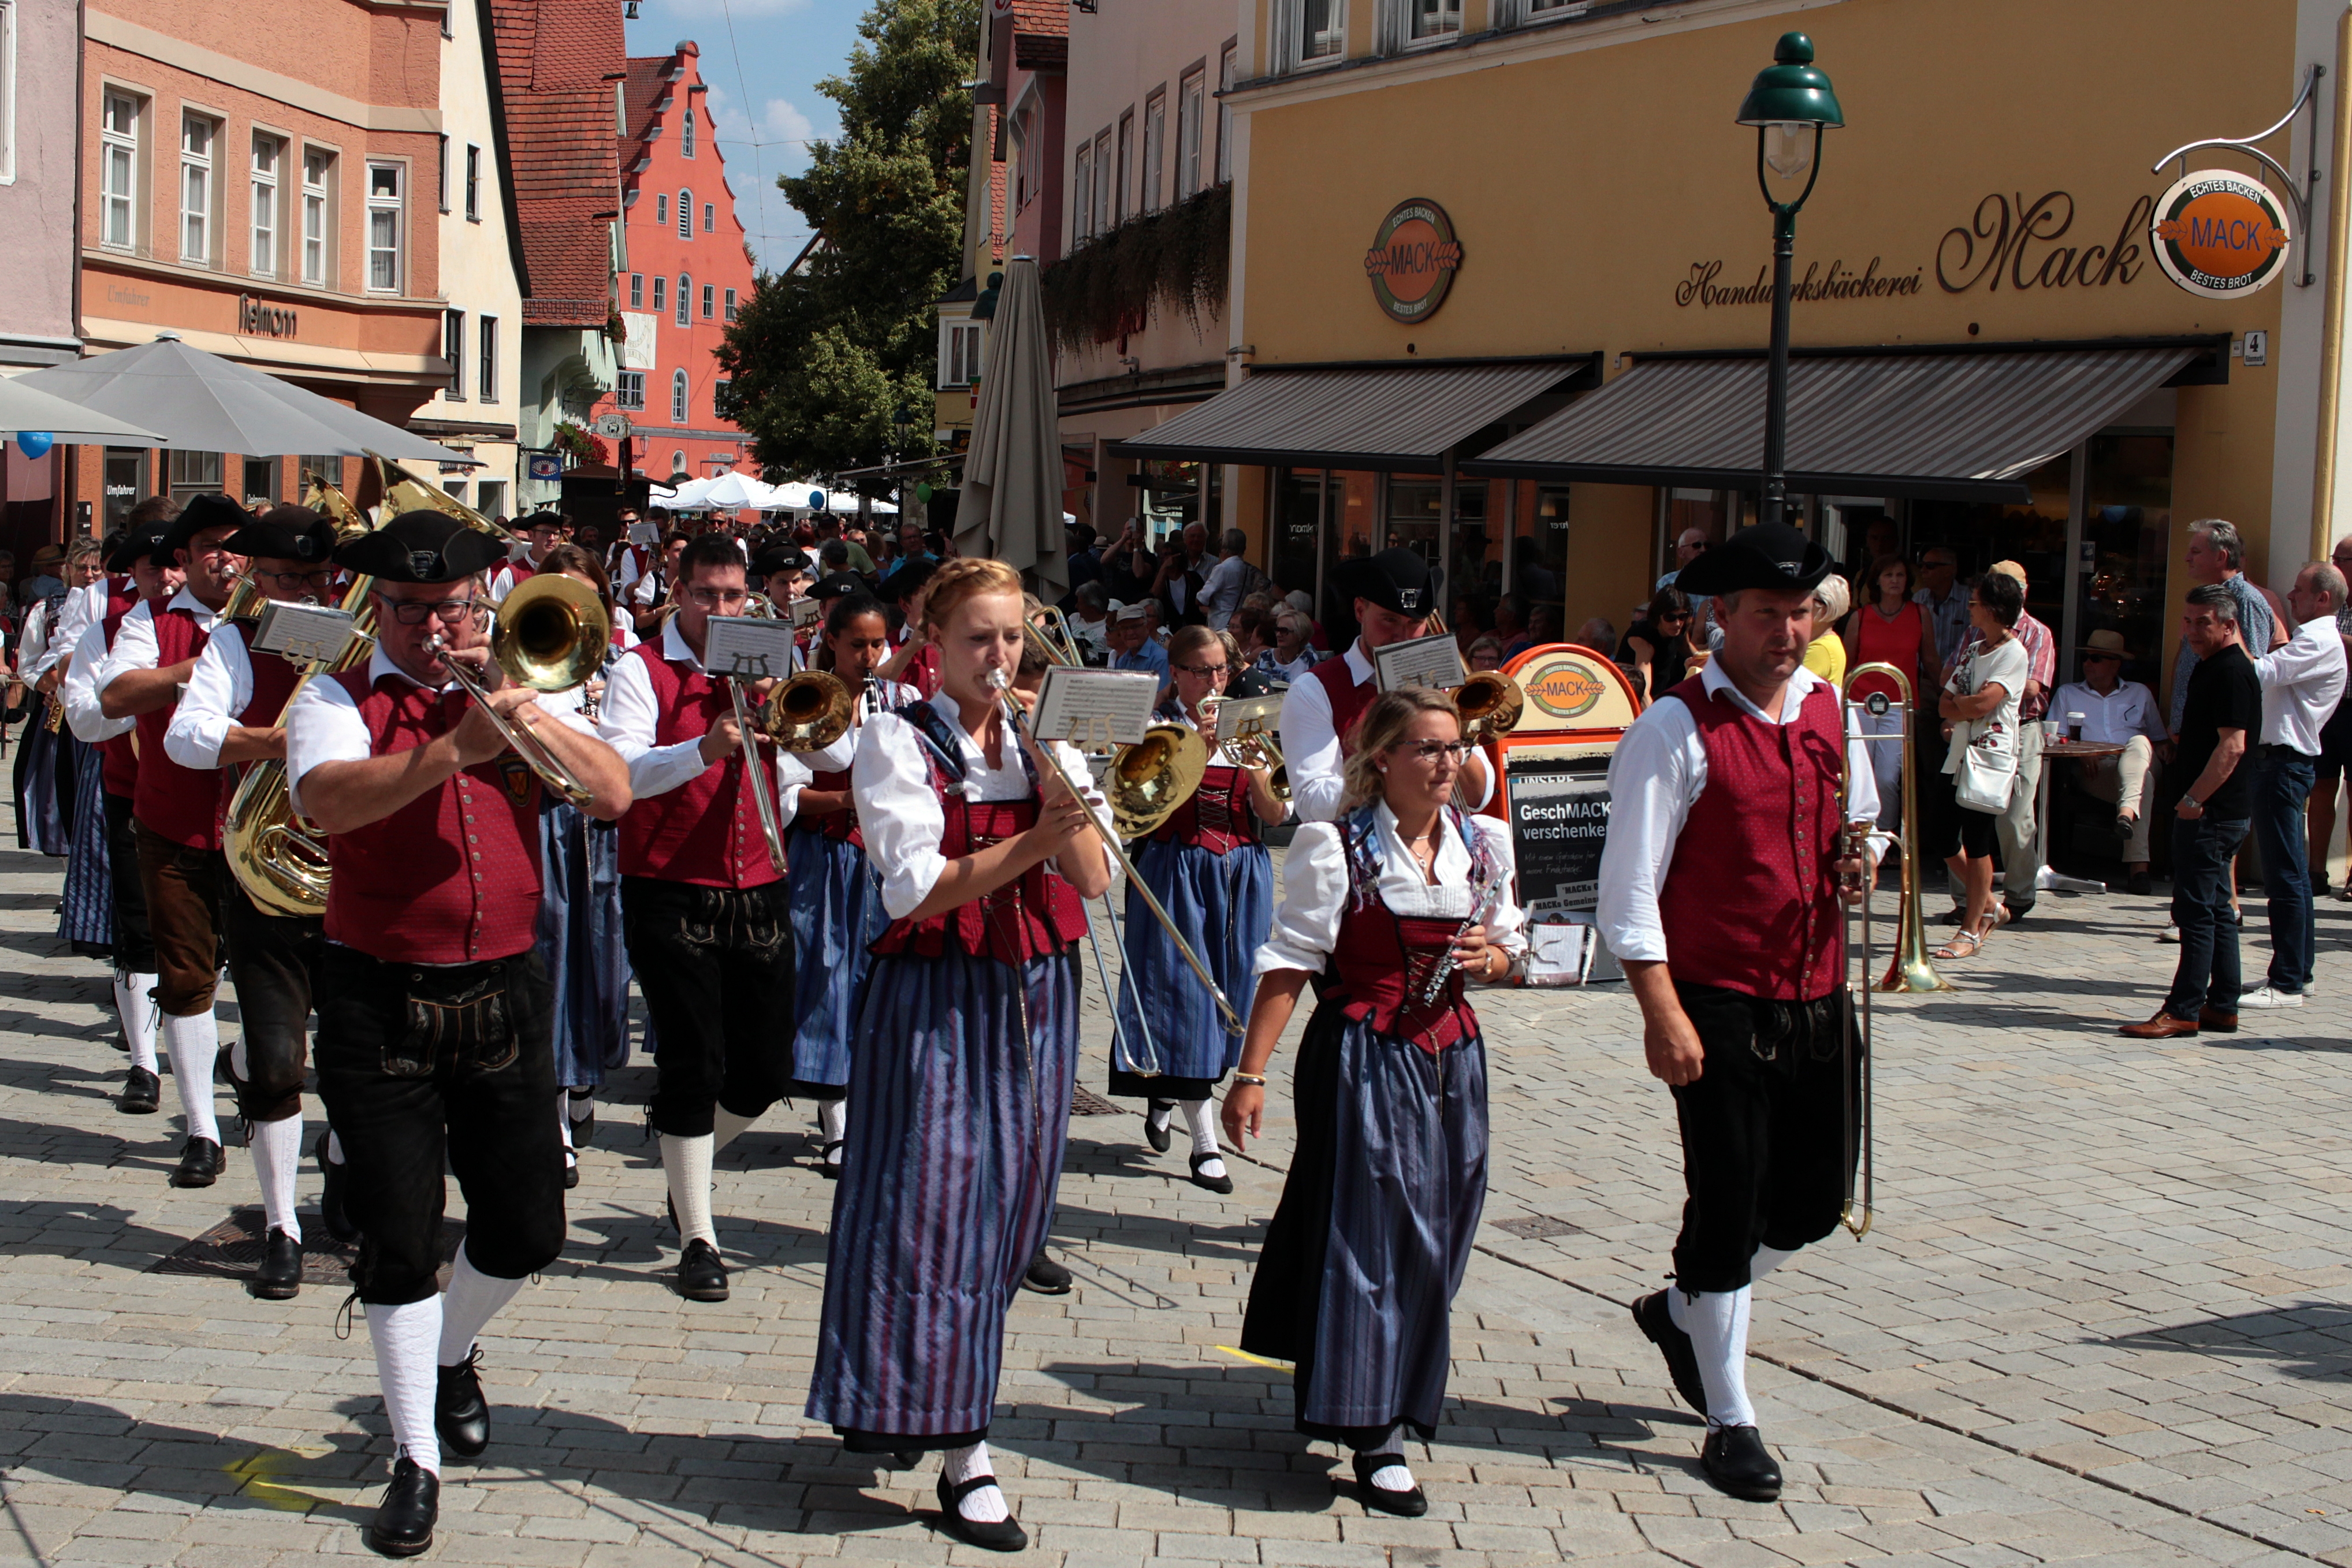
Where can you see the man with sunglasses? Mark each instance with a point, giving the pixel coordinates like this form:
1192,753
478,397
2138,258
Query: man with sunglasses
231,714
175,810
435,1016
703,906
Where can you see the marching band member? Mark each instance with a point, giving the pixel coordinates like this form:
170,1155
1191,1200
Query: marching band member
1396,903
579,918
836,913
960,1086
233,713
1393,600
1208,866
175,810
154,581
702,901
433,1015
1720,892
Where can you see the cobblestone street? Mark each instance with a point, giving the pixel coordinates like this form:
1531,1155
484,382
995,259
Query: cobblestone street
2105,1317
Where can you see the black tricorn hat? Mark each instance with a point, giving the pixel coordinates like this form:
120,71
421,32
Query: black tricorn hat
1769,556
421,546
286,533
1397,579
202,512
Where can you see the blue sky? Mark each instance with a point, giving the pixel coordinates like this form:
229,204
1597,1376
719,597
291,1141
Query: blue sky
762,59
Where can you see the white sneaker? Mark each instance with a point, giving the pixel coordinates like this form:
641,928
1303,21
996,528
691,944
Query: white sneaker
2263,996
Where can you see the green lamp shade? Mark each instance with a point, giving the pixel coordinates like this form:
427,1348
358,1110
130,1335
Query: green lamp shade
1792,90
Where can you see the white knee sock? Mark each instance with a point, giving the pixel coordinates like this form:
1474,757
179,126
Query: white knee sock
1204,1122
473,1298
686,1162
194,1045
137,1010
987,1505
1391,1477
725,1125
833,1120
404,1339
277,1155
1717,1322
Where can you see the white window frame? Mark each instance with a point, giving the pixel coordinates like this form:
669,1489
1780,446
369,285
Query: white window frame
1192,101
199,189
684,214
119,168
680,404
1082,193
684,300
1155,150
318,262
395,207
485,354
7,92
1226,63
473,183
265,256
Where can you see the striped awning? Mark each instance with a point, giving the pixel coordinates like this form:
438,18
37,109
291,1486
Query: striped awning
1931,425
1357,416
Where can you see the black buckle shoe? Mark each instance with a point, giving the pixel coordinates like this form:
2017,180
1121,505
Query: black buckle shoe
992,1535
402,1525
1217,1184
279,1276
701,1277
1737,1463
1657,1325
1410,1504
142,1092
1046,1277
333,1212
460,1415
1158,1135
201,1164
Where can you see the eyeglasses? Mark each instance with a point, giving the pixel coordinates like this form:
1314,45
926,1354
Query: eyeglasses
416,612
1206,671
1430,750
320,578
713,598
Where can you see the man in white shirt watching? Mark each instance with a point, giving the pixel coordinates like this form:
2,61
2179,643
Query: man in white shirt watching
2301,681
2118,712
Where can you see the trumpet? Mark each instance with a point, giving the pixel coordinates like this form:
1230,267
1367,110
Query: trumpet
550,634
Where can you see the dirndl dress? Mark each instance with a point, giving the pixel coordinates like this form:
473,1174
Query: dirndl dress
86,918
579,943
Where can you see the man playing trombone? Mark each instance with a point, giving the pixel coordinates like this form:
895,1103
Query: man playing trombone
1721,889
435,1016
703,903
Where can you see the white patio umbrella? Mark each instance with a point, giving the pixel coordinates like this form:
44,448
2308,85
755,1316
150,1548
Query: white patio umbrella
1012,506
24,408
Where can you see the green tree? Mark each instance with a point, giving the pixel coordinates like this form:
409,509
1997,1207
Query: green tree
821,356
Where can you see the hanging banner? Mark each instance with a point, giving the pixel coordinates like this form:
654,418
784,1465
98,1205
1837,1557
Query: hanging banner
2220,234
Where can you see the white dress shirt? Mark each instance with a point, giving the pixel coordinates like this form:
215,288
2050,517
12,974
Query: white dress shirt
79,688
1310,743
2115,718
2302,679
219,687
135,647
1654,778
1315,889
902,817
323,723
630,720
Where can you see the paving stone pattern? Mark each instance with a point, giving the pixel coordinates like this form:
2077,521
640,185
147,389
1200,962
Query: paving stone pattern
2102,1319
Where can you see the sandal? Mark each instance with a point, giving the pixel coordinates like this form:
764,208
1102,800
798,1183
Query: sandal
1963,945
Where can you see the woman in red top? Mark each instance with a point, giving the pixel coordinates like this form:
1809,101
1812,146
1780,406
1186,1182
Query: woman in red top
1886,631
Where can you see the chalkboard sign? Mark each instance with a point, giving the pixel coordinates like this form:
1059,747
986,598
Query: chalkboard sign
1559,819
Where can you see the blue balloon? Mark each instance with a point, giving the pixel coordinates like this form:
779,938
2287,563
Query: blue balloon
34,444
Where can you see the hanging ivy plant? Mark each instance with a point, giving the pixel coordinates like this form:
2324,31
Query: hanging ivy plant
1118,282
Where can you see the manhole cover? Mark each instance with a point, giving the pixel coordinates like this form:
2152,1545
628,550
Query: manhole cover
232,1251
1087,1103
1535,1227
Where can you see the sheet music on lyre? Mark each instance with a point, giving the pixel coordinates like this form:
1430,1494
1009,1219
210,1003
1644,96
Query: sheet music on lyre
1434,662
1094,708
301,633
749,648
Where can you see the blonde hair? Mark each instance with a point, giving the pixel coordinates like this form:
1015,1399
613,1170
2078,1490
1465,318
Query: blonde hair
961,579
1382,726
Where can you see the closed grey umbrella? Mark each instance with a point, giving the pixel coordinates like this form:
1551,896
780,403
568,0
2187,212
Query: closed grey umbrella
24,408
203,402
1012,505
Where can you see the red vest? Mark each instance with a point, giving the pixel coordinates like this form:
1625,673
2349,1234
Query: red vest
175,802
1750,898
453,877
705,831
273,680
1217,817
1349,698
118,772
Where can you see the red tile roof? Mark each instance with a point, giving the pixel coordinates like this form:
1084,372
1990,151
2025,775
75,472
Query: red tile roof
556,62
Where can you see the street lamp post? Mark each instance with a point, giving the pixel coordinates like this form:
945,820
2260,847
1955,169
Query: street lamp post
1789,98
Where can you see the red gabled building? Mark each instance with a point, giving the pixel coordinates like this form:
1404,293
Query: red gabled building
688,270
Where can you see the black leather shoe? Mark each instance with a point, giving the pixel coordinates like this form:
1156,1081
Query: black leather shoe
201,1164
402,1525
141,1093
1218,1184
993,1535
1657,1326
332,1214
460,1415
279,1276
701,1277
1737,1463
1410,1504
1046,1277
1156,1133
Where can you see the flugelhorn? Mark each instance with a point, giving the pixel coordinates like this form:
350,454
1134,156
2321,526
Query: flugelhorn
549,635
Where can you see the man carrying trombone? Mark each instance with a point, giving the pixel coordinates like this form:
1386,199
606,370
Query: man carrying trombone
435,1016
703,906
1721,889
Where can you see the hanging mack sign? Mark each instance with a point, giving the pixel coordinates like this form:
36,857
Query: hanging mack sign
2220,235
1412,261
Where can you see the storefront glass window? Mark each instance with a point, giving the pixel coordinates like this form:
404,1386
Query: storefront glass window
2034,535
2127,547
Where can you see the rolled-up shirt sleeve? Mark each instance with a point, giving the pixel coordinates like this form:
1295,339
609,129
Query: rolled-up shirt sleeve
630,721
89,722
1310,748
1314,896
322,725
219,689
1652,779
899,812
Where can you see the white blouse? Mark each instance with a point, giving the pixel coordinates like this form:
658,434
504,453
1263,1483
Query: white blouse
1315,890
901,816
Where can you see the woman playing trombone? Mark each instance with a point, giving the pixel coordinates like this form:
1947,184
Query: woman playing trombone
1208,866
1396,903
